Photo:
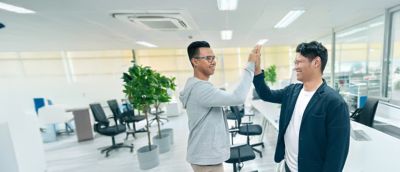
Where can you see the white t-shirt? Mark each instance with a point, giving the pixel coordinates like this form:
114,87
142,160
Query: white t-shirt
292,132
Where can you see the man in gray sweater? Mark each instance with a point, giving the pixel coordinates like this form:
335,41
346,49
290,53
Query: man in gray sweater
208,142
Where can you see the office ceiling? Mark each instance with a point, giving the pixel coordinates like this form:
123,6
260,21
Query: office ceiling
88,24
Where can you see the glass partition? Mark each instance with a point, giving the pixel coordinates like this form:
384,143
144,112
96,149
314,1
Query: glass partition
394,72
358,62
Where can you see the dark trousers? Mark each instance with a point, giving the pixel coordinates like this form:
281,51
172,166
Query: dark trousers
286,168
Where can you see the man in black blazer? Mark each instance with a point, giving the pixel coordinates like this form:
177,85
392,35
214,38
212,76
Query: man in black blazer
314,123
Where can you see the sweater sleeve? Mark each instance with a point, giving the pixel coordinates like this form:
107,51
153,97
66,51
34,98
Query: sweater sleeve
209,96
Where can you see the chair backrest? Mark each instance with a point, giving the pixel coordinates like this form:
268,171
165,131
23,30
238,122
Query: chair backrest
367,113
54,114
113,104
238,113
38,102
98,113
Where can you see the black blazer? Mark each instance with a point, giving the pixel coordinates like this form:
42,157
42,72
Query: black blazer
325,127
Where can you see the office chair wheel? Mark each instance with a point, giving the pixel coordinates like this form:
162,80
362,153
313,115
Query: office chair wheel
102,151
262,145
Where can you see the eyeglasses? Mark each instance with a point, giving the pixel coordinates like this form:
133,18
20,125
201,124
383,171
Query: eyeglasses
210,59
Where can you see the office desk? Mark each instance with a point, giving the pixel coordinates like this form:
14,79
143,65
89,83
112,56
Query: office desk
378,153
21,147
83,125
270,111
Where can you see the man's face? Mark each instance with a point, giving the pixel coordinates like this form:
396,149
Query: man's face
205,61
305,68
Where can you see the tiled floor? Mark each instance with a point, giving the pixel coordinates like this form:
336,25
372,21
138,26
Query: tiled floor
67,154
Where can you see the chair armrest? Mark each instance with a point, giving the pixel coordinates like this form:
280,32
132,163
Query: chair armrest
233,130
247,123
252,114
238,145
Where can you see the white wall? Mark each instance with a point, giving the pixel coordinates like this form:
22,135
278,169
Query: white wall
19,93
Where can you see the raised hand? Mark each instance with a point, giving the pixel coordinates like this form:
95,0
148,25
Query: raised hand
255,55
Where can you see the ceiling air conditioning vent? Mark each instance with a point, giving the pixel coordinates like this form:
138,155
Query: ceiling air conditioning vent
154,21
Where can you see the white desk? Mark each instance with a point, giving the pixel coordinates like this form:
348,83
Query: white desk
21,148
270,111
388,113
380,153
173,109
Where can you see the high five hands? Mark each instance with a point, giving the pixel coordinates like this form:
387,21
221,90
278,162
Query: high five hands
255,56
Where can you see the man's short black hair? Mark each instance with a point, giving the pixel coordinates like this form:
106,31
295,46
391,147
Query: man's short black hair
193,49
312,50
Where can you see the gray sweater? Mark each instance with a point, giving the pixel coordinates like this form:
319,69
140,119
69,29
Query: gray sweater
208,141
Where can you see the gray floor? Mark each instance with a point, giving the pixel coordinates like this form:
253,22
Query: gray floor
66,154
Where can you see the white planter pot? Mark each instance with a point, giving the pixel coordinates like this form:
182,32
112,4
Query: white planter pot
170,132
163,143
148,158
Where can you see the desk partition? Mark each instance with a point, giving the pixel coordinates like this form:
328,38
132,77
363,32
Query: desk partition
83,125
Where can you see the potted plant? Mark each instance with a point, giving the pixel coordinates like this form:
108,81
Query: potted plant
140,86
163,139
270,74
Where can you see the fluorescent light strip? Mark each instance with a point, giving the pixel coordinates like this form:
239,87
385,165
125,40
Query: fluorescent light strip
15,9
262,41
146,44
351,32
227,5
289,18
226,34
376,24
357,39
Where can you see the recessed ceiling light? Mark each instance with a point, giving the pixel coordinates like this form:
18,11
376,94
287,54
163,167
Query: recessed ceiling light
146,44
289,18
226,34
225,5
15,9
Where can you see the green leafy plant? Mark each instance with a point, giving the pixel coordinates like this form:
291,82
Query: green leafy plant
164,83
270,74
144,87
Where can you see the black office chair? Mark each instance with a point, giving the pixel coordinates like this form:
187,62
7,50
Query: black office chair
102,126
126,117
230,115
240,154
157,114
366,114
248,129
